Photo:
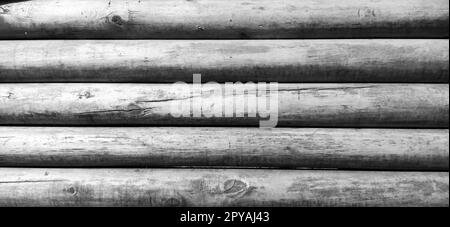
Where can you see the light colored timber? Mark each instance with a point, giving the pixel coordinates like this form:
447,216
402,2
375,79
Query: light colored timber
324,105
195,187
400,149
224,19
385,60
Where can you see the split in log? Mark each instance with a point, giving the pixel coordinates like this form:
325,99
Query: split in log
242,19
402,61
285,105
196,187
377,149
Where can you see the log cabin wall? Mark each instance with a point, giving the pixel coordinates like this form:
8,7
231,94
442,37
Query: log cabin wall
86,90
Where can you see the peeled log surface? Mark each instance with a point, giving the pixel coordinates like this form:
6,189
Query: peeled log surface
389,60
41,19
399,149
321,105
195,187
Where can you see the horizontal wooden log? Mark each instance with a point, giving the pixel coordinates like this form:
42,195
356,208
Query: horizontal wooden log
190,187
389,60
223,19
291,105
380,149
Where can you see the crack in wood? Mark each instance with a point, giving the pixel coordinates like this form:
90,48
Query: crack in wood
112,111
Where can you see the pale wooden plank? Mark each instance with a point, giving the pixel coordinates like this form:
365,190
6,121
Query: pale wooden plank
324,105
224,19
389,149
195,187
386,60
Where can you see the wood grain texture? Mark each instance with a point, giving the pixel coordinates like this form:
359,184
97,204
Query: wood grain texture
379,149
386,60
241,19
324,105
195,187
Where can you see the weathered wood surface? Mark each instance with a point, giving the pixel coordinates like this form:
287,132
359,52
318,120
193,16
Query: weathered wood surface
386,60
196,187
380,149
224,19
291,105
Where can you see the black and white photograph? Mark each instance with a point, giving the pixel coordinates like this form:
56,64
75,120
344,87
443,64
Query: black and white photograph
237,104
